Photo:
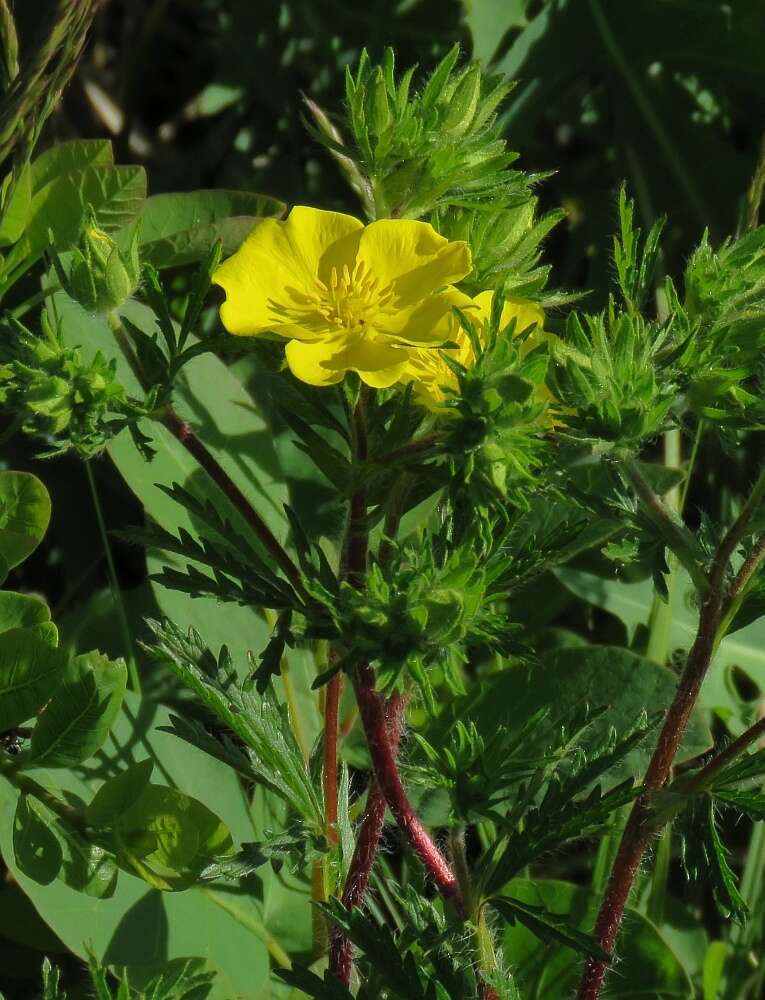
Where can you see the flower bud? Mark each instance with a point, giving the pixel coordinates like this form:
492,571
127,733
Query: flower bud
101,277
463,103
381,116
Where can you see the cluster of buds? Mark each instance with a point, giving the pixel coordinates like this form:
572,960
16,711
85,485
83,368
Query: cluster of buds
55,393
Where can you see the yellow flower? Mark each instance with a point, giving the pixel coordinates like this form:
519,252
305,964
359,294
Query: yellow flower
431,374
347,297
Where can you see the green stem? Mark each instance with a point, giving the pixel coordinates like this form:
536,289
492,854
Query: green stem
127,639
34,300
28,786
660,876
275,950
290,695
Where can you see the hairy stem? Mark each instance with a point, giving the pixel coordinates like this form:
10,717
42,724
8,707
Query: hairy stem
371,707
641,825
387,775
331,706
367,843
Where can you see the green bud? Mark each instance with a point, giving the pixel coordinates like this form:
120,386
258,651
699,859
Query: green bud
463,103
101,277
380,116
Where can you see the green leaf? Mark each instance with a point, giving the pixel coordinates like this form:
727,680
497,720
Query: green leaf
180,228
78,718
566,681
16,213
647,967
119,793
548,927
631,603
30,672
58,208
66,157
328,988
168,837
36,849
137,926
21,611
24,515
86,867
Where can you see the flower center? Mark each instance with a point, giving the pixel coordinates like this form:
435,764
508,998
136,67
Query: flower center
351,299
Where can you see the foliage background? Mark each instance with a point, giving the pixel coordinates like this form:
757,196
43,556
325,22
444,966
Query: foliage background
207,93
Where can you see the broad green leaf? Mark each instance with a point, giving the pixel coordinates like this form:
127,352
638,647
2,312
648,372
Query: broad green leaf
230,423
24,515
168,837
647,967
78,718
15,215
569,680
489,20
180,228
223,414
67,157
115,193
631,603
31,670
119,793
21,611
86,867
36,849
138,927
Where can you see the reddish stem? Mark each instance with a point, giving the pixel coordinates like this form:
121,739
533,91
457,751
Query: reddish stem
367,843
486,992
331,706
638,831
371,708
386,773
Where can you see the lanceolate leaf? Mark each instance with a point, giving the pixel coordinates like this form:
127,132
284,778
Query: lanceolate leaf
548,926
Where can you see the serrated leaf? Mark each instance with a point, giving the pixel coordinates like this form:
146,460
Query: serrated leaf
548,926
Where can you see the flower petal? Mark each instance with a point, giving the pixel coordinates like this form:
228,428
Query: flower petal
524,313
378,365
412,257
278,266
431,321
